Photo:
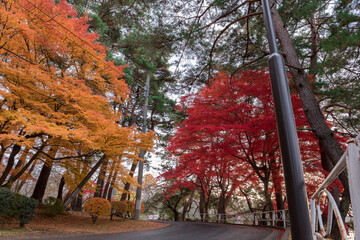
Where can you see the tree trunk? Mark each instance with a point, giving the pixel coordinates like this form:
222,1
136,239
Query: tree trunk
2,152
109,194
22,182
247,200
18,167
61,188
113,179
186,206
277,184
221,207
127,184
42,181
108,183
268,201
12,179
100,181
84,181
310,105
202,211
11,160
78,203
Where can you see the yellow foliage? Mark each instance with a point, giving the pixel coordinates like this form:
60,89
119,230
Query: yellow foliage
119,208
97,207
55,86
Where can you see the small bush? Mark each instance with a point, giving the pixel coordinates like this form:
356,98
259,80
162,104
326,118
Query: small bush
25,209
53,207
97,207
118,208
17,206
7,201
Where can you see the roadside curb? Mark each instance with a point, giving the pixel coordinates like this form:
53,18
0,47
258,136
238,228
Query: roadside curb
286,234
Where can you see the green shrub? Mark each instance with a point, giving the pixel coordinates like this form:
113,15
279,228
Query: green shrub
97,207
118,208
7,201
25,209
53,207
17,206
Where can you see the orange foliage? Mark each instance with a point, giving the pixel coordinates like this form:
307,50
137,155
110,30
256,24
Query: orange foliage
97,207
56,85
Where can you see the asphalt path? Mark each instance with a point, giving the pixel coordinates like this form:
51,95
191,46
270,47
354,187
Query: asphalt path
190,231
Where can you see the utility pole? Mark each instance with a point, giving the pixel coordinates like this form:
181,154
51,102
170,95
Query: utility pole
289,145
142,151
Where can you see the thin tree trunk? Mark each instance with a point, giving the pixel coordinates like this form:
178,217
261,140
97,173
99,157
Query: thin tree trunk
2,152
11,160
18,166
202,206
78,203
22,182
108,182
109,196
100,181
12,179
127,184
84,181
61,188
112,185
310,105
186,206
277,184
247,200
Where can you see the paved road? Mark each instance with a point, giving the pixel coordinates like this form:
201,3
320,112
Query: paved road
191,231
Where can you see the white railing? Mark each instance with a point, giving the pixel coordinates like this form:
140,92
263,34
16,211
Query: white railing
351,160
267,218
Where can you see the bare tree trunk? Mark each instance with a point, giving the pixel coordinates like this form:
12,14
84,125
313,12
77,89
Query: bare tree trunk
186,206
22,182
84,181
277,184
43,179
11,160
112,185
12,179
108,183
100,181
78,202
61,188
127,184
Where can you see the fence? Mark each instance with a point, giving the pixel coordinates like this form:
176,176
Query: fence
351,160
267,218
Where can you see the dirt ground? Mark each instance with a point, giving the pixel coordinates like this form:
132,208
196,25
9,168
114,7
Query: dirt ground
73,224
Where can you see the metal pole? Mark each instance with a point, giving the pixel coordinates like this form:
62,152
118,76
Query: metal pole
142,152
289,145
353,166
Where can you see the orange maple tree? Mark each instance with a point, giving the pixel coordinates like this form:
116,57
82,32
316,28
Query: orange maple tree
57,91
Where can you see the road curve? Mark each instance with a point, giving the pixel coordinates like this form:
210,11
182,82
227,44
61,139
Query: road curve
191,231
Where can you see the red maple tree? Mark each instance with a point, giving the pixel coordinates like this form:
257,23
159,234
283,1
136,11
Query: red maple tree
229,139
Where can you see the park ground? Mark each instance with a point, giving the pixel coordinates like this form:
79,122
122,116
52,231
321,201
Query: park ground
72,224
